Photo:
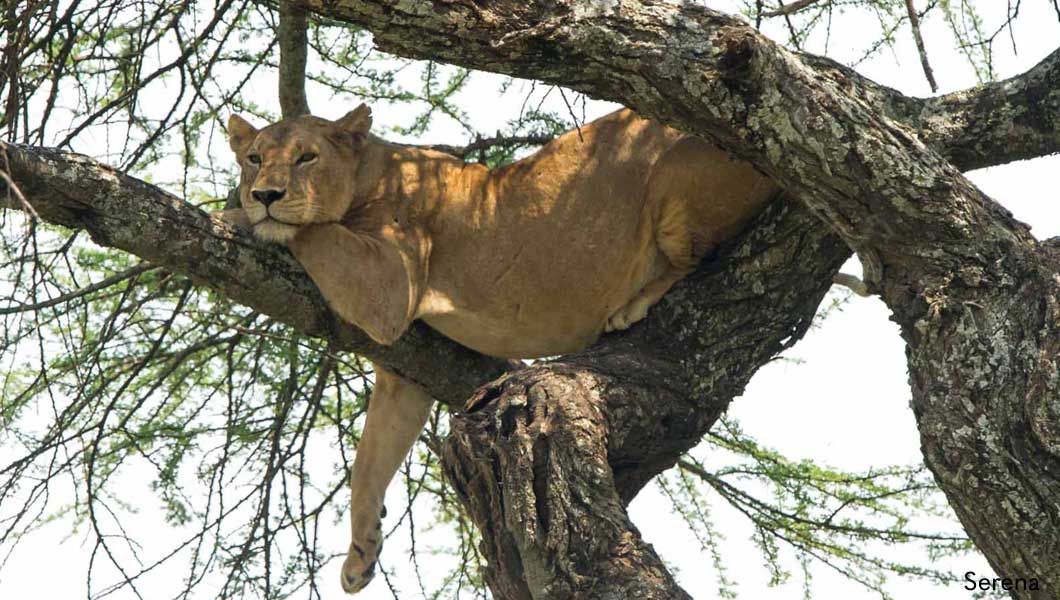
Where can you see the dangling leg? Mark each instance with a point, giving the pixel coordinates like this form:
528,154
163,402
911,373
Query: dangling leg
397,412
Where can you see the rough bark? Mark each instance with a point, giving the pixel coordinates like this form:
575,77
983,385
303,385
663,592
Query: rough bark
973,292
991,124
999,122
533,470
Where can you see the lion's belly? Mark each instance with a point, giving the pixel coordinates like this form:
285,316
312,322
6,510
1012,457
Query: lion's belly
511,340
548,300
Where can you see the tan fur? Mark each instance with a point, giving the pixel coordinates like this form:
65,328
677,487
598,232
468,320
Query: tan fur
533,259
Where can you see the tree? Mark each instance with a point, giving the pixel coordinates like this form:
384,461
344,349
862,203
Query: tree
865,166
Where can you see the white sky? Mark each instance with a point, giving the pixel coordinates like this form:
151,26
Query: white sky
846,405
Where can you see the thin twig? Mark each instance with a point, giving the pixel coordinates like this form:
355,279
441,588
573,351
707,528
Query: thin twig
788,9
490,142
914,21
791,26
852,283
570,111
88,289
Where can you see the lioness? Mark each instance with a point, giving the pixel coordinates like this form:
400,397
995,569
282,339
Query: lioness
532,259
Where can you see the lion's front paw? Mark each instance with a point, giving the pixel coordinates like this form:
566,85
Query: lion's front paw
359,567
233,216
627,315
616,322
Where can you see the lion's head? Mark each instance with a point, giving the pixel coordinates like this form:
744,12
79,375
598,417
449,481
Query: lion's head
297,171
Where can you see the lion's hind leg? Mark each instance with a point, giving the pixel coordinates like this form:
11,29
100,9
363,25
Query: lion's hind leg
674,238
698,196
397,412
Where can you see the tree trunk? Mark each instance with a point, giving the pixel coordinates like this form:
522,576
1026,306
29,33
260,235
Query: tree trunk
982,360
532,470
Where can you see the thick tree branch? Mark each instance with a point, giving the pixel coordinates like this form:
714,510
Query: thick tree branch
988,125
533,470
984,126
996,123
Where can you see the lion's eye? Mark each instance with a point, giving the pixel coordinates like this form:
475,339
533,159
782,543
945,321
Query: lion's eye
308,157
254,159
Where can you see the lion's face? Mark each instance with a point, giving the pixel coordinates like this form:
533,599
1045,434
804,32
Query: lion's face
297,171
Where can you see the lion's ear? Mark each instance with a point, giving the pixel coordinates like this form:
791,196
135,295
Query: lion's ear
357,122
240,133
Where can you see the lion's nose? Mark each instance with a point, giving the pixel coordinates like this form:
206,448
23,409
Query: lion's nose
267,197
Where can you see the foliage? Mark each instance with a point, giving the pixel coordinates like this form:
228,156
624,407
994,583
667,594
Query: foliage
841,519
